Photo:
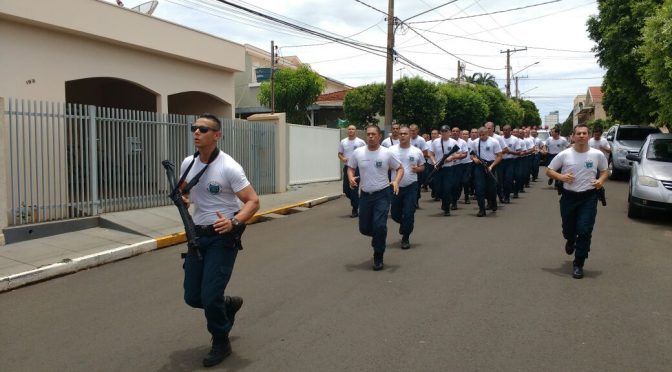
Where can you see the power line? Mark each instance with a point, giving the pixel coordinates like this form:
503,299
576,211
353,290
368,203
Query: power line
490,13
430,10
331,42
369,6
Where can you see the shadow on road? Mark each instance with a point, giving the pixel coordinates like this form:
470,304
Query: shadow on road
192,359
566,270
366,266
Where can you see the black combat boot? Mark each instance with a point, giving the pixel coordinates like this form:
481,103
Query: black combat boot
377,261
221,348
232,304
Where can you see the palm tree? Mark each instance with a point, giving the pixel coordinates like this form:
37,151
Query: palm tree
479,78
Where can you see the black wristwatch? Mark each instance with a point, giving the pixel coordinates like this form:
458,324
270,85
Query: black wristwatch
236,223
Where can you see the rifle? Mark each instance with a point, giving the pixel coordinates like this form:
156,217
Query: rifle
485,167
176,197
602,196
439,165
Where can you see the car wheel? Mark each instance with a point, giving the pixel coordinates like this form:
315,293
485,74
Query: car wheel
612,171
634,211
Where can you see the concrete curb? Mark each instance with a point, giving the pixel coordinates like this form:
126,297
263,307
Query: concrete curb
74,265
116,254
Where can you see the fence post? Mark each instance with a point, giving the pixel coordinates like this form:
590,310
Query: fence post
93,161
4,171
281,148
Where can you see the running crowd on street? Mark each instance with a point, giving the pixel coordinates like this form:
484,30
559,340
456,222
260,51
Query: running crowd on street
455,165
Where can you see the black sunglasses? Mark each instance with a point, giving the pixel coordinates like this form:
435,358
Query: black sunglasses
201,128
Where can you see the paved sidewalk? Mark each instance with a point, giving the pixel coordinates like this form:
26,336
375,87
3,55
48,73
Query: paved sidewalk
130,233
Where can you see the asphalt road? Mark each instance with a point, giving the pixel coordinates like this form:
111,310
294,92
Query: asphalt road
472,294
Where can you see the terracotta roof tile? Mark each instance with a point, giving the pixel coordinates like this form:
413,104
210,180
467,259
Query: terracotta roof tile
334,96
596,94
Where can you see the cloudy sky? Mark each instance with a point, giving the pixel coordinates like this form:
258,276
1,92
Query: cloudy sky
557,65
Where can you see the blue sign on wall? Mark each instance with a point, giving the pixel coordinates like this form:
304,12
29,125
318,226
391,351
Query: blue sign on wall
263,74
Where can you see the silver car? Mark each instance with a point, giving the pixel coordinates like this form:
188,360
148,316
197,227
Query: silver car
650,185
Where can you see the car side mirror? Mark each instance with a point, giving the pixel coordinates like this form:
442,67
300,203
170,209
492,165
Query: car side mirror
610,137
633,157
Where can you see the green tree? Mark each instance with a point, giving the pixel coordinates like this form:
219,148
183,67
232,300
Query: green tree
617,32
363,103
465,107
295,90
656,51
486,79
604,123
567,126
531,113
418,101
513,114
496,103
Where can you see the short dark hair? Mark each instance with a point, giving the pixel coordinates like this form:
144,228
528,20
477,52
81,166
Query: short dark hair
212,118
374,126
598,128
579,126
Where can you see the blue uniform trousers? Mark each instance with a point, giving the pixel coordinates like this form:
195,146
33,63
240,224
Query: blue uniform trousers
448,184
485,187
536,159
505,172
206,279
373,209
403,208
578,212
352,194
457,188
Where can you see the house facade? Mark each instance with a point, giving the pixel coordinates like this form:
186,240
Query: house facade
588,107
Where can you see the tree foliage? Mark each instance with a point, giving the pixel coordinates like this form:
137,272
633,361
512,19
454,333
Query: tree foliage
617,32
418,101
480,78
513,114
531,113
496,101
656,52
567,126
295,90
465,107
363,103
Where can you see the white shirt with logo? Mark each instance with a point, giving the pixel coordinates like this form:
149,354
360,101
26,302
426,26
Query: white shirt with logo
408,156
347,146
440,148
215,190
513,143
556,146
373,167
464,148
486,150
585,166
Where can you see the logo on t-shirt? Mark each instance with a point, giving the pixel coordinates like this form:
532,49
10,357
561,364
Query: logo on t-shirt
589,164
411,158
214,188
379,164
487,148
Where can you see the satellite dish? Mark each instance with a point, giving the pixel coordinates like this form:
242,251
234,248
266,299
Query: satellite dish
147,8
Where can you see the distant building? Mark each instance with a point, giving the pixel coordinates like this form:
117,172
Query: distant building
588,107
326,110
552,119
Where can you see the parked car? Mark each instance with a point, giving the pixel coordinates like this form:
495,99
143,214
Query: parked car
543,135
624,140
651,176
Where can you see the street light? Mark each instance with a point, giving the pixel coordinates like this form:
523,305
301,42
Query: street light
529,90
528,66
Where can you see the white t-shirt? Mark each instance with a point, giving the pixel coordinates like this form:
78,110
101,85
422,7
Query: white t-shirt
599,144
389,142
346,147
373,167
530,142
439,149
555,146
408,156
499,139
215,190
420,143
513,143
488,149
584,165
464,148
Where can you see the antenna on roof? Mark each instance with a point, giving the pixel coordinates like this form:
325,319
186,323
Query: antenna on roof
147,8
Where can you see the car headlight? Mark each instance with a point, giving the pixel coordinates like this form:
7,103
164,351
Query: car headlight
621,153
647,181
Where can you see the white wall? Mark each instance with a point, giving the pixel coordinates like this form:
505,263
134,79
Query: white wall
313,154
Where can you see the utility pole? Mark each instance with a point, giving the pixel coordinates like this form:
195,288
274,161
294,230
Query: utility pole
508,68
390,59
272,77
516,79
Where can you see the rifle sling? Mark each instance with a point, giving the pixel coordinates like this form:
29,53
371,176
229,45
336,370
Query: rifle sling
194,180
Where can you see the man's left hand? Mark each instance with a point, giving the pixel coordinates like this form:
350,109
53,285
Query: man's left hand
223,225
598,184
395,187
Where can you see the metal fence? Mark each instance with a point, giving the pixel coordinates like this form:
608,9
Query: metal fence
68,161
